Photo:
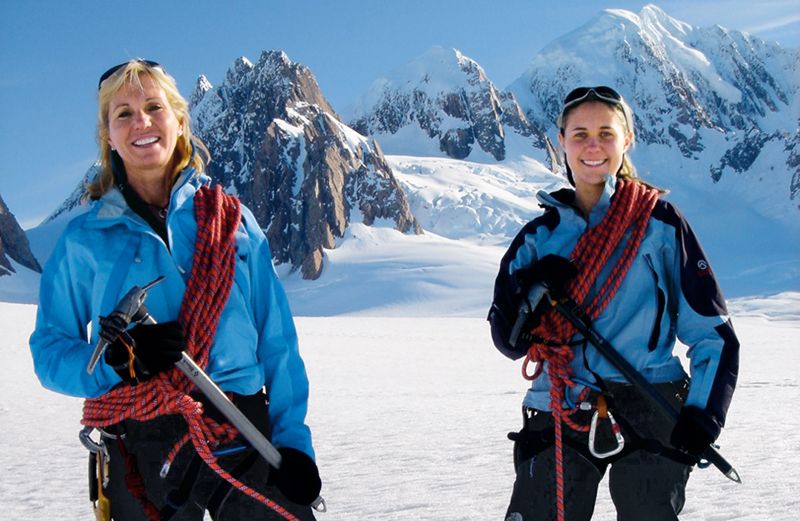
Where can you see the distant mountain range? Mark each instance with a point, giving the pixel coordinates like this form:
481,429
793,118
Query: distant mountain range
717,119
725,101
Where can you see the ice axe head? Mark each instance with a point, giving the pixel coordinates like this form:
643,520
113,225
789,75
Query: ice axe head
129,310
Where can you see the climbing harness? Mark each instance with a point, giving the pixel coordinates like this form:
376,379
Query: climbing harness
628,214
213,266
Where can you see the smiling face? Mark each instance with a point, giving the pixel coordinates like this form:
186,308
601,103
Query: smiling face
143,129
595,139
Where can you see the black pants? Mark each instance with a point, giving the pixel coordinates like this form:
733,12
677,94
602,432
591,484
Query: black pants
150,442
643,485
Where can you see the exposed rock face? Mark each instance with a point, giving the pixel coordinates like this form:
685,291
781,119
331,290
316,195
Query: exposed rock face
14,244
277,143
447,97
793,149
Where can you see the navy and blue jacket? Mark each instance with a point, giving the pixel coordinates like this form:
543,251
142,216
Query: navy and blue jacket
669,293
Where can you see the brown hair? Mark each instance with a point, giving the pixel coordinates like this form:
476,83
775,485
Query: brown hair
189,149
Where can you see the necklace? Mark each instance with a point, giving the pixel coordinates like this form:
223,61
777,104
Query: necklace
159,211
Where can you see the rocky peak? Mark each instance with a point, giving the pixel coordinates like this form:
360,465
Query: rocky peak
446,97
277,143
201,87
14,244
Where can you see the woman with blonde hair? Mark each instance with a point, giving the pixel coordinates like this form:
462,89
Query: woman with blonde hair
166,452
633,264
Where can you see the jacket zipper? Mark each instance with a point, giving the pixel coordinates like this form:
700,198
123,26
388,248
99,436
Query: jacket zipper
661,302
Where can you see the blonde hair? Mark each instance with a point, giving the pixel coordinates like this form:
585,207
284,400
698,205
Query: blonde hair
189,149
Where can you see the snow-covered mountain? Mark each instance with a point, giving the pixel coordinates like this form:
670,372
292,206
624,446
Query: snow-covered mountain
715,105
442,103
717,124
715,108
277,143
706,99
78,199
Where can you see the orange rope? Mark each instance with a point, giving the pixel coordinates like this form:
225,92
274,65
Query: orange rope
629,213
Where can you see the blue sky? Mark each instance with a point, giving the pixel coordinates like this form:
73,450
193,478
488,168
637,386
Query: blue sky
52,53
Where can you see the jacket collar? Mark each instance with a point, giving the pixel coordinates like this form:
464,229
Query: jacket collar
112,205
564,199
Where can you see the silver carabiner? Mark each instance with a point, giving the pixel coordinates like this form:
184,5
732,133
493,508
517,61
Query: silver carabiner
88,442
617,434
99,448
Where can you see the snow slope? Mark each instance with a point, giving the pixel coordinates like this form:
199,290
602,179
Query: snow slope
470,212
410,415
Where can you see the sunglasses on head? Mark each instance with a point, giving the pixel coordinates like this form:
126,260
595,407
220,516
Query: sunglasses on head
582,94
115,68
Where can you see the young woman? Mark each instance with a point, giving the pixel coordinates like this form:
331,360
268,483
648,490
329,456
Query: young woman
154,215
635,266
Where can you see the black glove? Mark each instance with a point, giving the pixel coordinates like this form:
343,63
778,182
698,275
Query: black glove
694,431
298,477
554,272
551,272
156,348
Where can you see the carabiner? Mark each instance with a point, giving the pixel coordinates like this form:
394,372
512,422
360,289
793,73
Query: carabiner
614,428
88,442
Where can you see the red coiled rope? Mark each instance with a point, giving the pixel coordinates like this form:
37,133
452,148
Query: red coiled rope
213,266
629,213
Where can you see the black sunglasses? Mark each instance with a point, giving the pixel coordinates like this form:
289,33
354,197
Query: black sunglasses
115,68
582,94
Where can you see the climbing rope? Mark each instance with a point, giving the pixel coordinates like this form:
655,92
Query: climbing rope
627,215
207,290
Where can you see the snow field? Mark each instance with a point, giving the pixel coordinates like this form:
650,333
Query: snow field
410,416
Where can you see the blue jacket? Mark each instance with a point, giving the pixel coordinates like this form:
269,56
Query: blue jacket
669,292
108,249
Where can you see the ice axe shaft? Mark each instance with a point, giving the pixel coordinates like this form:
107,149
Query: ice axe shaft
220,400
131,309
573,312
202,381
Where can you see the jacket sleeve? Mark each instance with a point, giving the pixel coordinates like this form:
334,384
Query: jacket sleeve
60,343
278,352
703,325
507,291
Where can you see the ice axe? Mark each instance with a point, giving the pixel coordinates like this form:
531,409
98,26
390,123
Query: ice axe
576,315
131,310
